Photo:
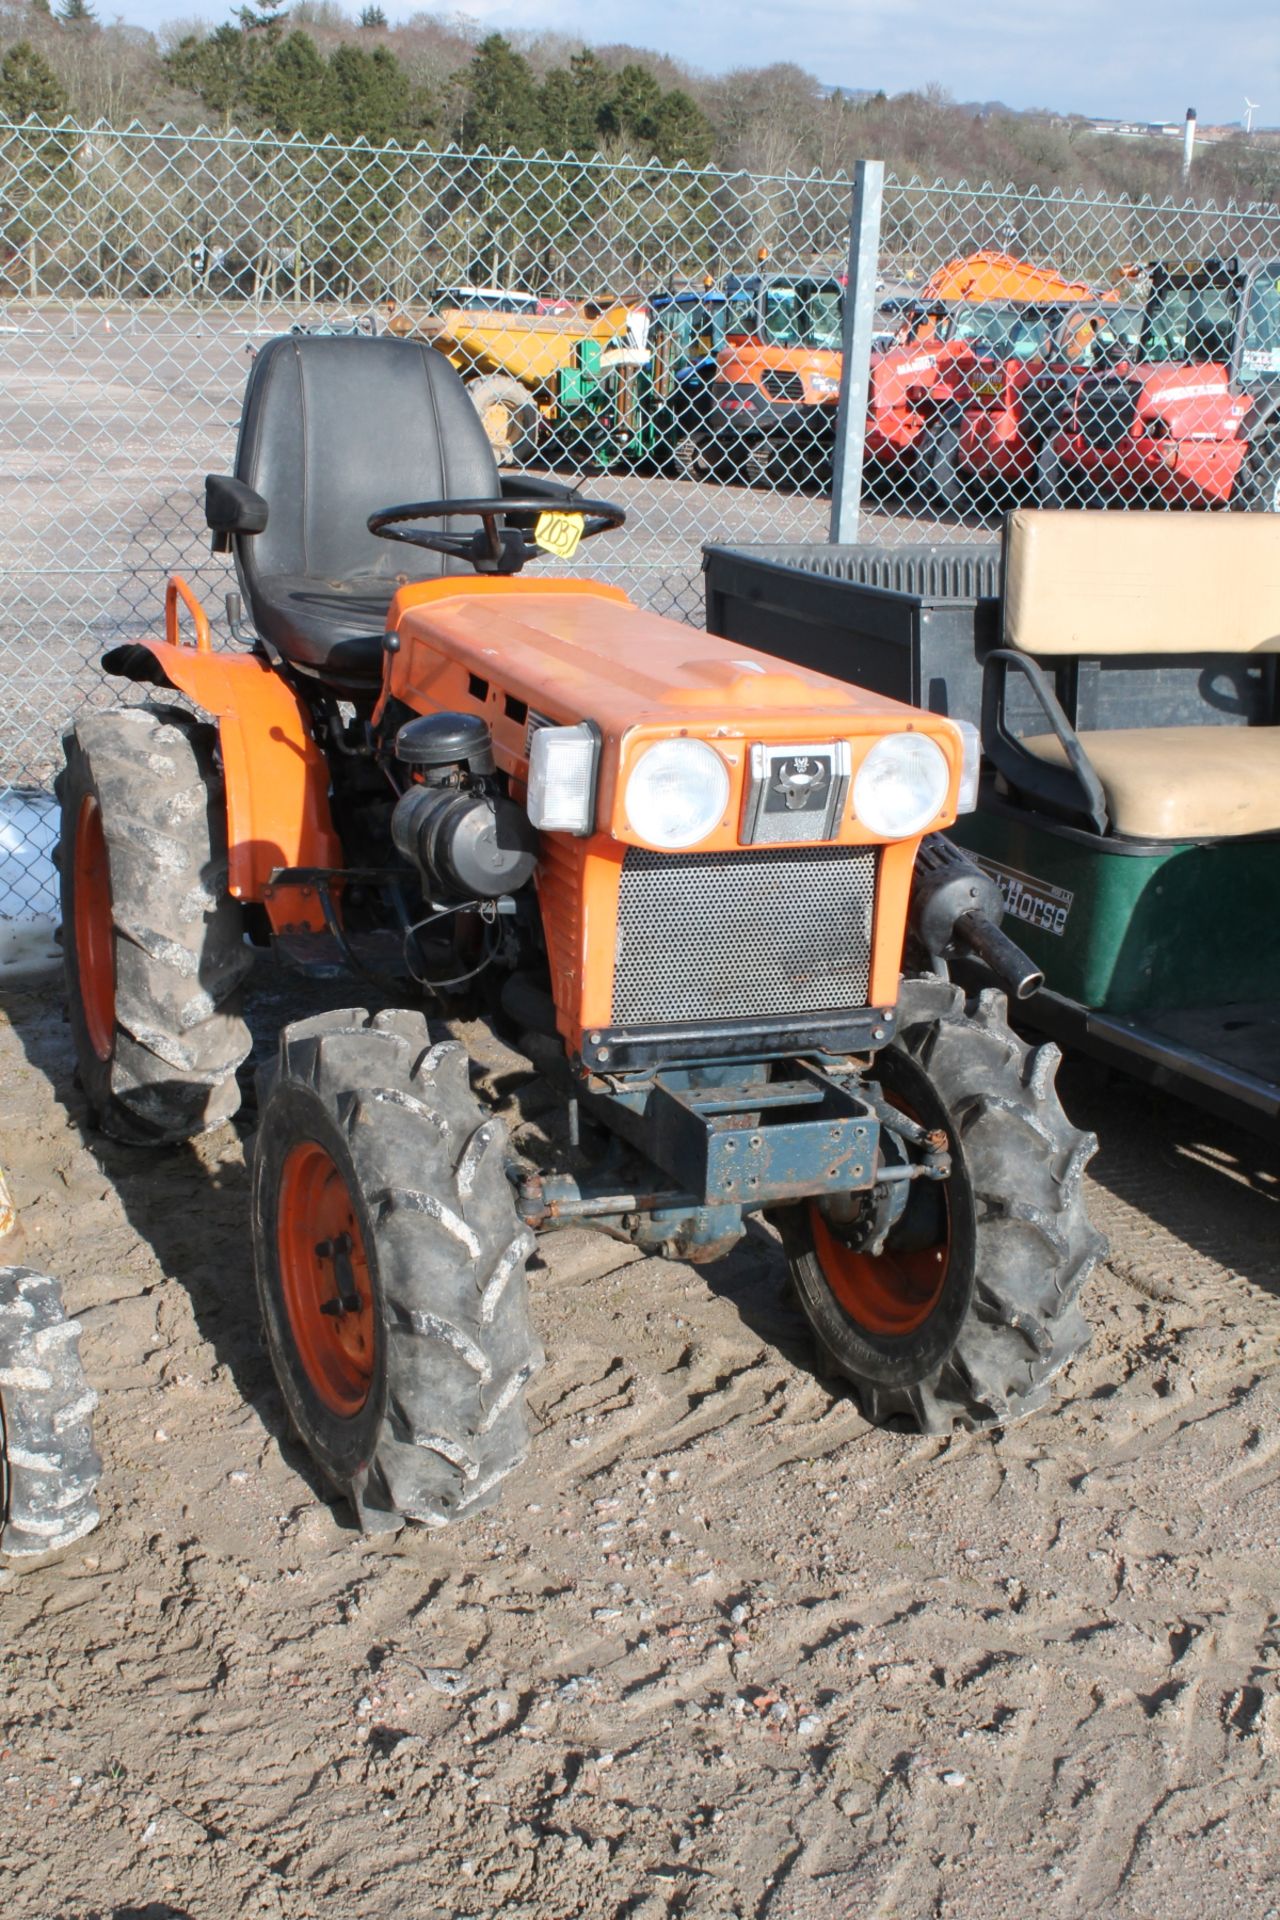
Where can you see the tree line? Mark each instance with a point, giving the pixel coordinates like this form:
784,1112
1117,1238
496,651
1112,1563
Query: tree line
314,69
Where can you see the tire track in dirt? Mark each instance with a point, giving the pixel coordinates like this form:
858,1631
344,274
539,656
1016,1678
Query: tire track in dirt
724,1651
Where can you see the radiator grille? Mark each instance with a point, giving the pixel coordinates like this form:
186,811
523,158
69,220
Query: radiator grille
742,936
783,386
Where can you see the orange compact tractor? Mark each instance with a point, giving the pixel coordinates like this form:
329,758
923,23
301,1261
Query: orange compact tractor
715,888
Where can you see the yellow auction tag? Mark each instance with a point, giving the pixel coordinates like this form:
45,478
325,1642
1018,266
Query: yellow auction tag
558,533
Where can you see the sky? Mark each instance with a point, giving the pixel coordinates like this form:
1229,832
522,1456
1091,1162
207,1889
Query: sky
1141,60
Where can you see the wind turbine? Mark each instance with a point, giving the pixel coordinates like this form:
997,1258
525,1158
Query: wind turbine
1250,108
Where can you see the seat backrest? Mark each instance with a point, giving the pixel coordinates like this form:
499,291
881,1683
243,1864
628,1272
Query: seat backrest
335,428
1106,583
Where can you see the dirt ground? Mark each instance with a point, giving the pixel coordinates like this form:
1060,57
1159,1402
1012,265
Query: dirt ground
724,1651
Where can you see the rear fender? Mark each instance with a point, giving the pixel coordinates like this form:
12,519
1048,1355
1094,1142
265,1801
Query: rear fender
277,779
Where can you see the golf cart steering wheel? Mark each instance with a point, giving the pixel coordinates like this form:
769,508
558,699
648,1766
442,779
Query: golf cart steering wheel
493,548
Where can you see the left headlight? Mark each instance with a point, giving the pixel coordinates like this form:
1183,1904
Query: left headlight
676,793
901,785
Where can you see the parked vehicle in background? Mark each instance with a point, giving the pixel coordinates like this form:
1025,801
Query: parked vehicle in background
486,300
1194,418
514,357
1013,370
946,398
776,385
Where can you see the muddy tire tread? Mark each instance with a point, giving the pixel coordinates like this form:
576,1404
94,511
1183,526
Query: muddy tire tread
1035,1245
49,1474
181,960
451,1256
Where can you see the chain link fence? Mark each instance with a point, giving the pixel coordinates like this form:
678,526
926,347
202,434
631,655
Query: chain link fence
670,337
1068,352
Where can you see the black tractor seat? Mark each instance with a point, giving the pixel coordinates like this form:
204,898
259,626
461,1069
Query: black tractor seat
333,628
335,428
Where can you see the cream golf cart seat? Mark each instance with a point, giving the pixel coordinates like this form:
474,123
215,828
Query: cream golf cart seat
1151,594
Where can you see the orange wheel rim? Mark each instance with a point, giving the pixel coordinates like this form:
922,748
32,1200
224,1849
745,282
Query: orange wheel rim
324,1274
887,1293
94,928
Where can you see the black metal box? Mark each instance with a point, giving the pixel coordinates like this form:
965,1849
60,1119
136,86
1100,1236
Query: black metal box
912,622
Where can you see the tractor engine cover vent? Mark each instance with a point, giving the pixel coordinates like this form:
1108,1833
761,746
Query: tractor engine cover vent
743,936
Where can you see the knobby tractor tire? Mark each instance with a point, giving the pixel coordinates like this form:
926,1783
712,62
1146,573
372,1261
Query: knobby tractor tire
153,945
979,1343
510,417
48,1468
378,1177
944,486
1258,487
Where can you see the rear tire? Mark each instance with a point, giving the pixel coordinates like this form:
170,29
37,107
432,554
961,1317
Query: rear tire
153,945
1258,487
509,414
48,1467
412,1398
975,1340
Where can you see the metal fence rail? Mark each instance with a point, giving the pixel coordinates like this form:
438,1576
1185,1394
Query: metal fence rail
689,366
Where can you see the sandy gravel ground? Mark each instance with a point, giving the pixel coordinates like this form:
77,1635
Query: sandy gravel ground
725,1651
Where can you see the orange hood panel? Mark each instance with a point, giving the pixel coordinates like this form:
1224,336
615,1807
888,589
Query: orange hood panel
572,650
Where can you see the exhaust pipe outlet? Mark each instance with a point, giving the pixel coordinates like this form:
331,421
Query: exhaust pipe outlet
1011,966
955,904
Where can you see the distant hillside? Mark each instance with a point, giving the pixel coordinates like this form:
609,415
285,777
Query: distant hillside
317,69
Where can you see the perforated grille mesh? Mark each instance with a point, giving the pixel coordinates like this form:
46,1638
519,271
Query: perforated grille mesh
740,936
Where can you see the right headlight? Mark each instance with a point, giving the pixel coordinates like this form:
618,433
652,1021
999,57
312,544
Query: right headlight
676,793
901,785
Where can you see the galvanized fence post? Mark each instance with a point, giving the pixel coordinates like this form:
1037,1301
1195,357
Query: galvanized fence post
855,377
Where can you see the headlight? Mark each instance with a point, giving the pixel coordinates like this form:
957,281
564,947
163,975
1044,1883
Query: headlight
901,785
676,793
823,383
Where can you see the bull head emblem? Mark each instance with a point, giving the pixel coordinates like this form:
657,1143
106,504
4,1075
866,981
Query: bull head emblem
797,779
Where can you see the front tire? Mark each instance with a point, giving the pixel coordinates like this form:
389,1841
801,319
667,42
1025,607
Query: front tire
391,1268
153,945
1258,488
48,1467
942,482
967,1313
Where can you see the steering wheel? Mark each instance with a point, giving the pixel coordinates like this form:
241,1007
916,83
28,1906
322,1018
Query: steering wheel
492,548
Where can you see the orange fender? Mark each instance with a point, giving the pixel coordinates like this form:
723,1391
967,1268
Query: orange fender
277,779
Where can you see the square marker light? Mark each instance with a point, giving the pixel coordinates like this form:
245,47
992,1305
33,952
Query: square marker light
970,766
562,778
